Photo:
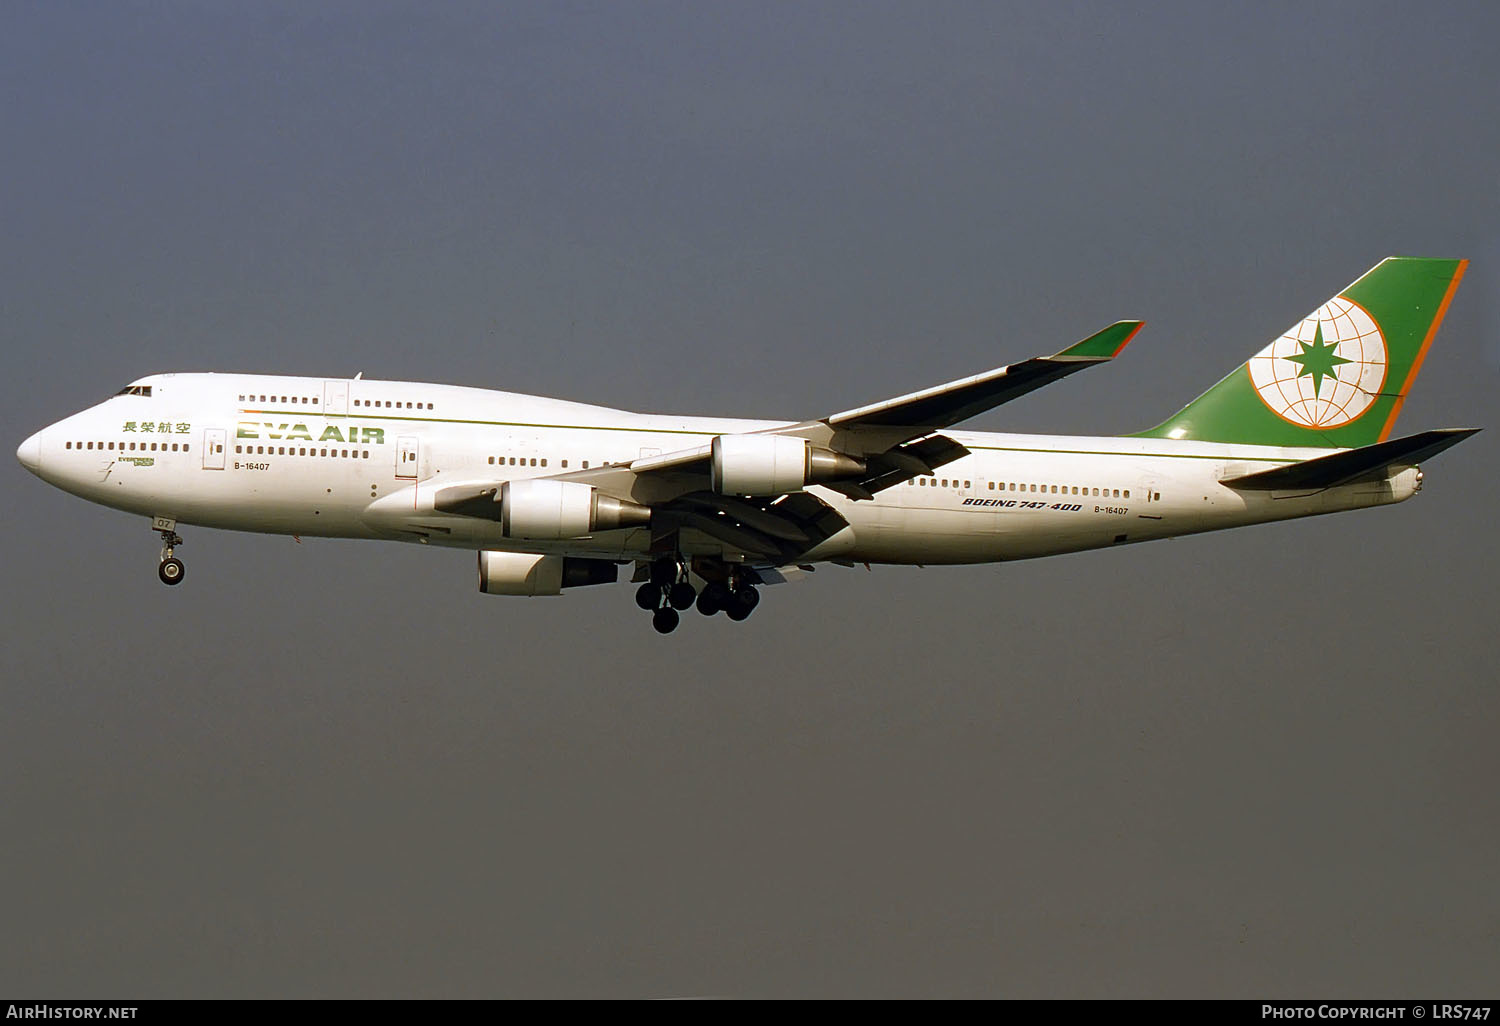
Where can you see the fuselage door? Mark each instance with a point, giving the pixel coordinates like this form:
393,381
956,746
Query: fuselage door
408,449
214,440
336,398
1149,504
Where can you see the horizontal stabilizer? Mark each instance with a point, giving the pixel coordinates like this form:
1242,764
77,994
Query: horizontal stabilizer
1353,464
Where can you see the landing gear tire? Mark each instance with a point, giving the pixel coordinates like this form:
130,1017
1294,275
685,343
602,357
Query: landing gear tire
715,597
743,603
647,596
171,571
681,595
664,620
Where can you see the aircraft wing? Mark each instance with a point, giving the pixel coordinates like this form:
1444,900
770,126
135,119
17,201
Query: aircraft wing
895,440
779,529
945,405
879,426
898,437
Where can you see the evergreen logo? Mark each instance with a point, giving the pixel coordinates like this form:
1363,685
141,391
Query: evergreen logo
1326,371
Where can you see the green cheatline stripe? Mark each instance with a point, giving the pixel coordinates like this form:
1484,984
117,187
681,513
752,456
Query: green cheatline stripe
706,434
1151,455
498,423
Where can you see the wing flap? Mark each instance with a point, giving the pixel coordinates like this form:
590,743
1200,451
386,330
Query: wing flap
901,464
782,528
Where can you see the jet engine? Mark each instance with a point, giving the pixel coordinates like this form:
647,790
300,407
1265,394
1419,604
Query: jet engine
552,510
528,573
775,465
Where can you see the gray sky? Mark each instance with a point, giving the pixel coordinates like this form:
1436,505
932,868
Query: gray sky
1250,764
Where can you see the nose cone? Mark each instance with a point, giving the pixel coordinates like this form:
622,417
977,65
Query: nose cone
30,453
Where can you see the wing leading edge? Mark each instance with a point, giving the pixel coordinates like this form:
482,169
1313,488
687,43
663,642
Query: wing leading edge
947,404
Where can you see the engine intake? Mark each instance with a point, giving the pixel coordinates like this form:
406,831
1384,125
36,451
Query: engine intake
775,464
528,573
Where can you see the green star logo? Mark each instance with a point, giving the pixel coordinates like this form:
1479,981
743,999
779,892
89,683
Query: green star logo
1317,359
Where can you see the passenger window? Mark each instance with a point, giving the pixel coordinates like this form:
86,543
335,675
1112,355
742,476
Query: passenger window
1127,493
585,464
966,484
565,464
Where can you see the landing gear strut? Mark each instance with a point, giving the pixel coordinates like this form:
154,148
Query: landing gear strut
171,569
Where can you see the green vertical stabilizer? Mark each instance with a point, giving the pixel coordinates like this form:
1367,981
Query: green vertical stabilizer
1339,376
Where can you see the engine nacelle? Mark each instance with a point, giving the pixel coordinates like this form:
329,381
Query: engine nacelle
551,510
775,465
528,573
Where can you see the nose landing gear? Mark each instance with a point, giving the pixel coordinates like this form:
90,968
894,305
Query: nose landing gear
171,569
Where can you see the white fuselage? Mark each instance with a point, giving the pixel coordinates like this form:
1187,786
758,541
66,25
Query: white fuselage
361,459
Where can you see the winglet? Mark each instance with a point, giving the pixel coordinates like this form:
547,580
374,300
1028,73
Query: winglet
1103,345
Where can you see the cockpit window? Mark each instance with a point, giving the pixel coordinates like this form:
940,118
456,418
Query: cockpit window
135,390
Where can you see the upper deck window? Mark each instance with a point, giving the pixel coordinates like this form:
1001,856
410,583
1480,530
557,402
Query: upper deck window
135,390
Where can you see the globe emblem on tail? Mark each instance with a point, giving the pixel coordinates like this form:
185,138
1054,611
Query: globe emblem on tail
1325,371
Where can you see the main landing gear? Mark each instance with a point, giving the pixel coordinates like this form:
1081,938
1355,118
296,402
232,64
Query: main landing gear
669,590
171,569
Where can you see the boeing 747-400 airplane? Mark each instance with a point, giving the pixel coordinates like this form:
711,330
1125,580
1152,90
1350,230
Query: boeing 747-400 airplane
555,495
